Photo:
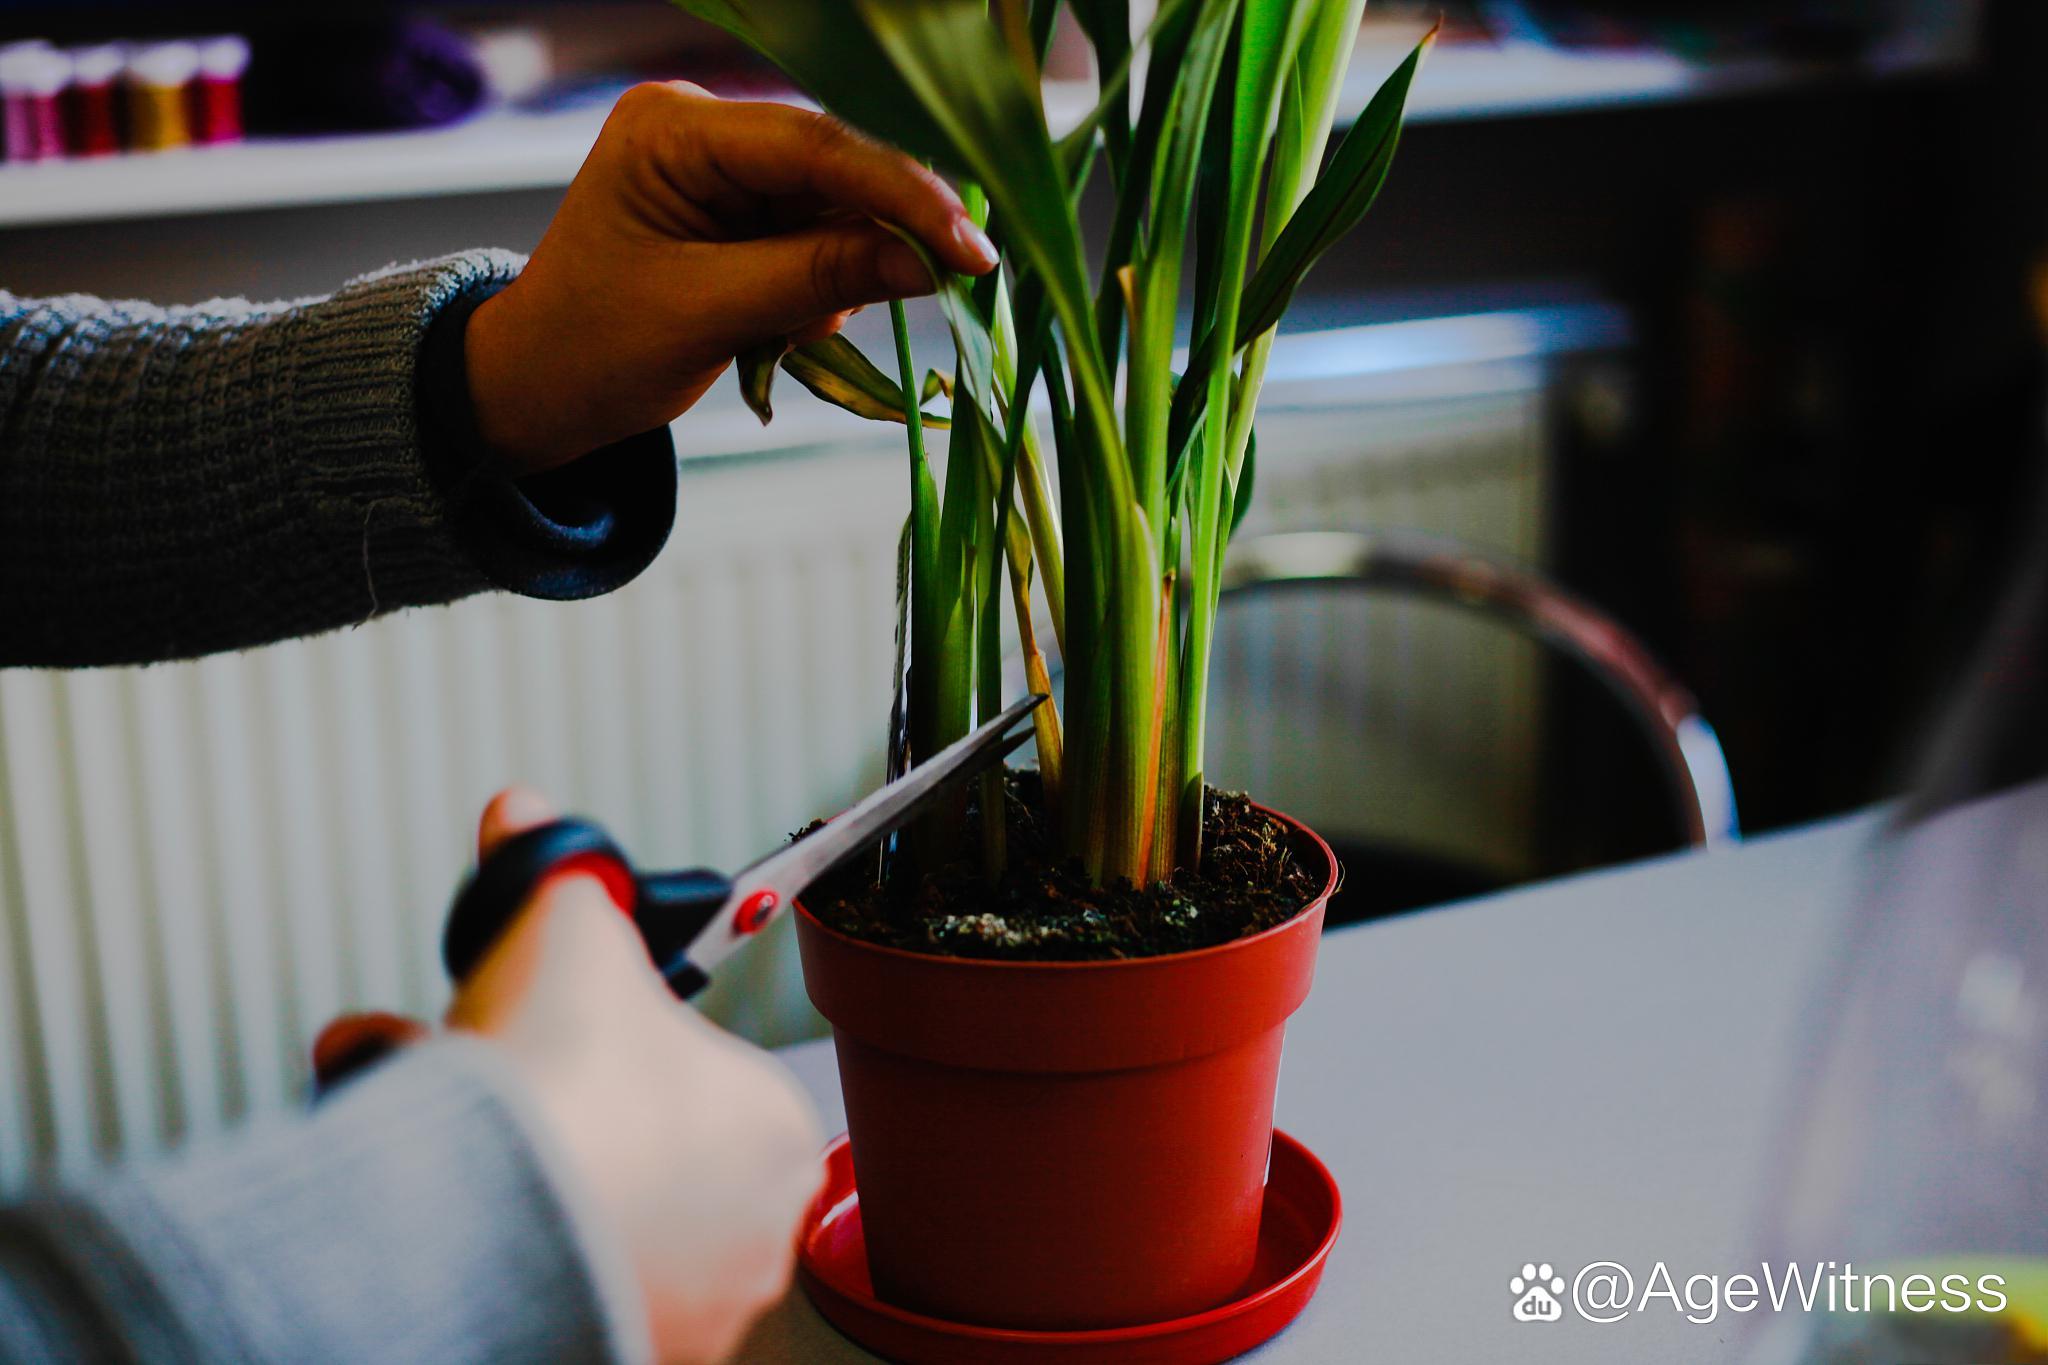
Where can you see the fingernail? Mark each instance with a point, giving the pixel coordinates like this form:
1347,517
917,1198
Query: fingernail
974,241
521,805
903,272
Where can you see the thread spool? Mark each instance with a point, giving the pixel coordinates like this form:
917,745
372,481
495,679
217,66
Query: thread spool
32,80
92,123
159,77
13,112
217,96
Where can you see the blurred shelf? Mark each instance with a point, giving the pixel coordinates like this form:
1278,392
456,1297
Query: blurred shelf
502,150
1520,76
512,150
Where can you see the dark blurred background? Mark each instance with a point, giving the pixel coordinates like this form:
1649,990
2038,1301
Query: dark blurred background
1797,485
1776,273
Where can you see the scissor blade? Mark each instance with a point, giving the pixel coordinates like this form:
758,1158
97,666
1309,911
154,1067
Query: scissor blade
786,872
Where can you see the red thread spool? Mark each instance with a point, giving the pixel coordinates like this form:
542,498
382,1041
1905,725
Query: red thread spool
92,124
217,94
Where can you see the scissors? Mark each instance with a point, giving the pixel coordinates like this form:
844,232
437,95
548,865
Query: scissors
692,921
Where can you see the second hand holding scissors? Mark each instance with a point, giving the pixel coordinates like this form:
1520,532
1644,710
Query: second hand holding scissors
691,921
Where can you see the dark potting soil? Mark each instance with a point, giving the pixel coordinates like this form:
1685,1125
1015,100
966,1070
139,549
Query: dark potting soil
1042,908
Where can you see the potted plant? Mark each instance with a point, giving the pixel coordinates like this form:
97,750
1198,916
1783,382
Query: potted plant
1059,1010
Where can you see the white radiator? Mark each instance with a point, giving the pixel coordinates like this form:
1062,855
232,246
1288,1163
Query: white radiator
201,863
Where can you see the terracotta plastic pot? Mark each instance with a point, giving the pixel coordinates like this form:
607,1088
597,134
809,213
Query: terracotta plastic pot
1063,1145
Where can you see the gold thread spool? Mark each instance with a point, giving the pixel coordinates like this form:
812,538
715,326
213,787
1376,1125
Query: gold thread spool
159,77
157,117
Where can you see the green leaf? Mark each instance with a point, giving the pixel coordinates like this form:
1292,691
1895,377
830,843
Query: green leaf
1338,202
1111,113
954,62
1106,25
1013,20
1043,13
756,370
962,509
1309,108
1021,353
829,52
1241,491
952,58
1268,39
1076,143
927,604
898,758
1169,41
1158,266
835,370
973,347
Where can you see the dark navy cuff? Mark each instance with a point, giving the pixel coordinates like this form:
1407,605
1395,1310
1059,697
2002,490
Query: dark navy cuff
577,531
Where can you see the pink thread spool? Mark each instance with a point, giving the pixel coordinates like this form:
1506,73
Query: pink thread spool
32,79
14,130
217,94
92,123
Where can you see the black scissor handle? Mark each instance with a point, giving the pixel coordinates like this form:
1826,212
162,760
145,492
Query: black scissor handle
515,869
668,908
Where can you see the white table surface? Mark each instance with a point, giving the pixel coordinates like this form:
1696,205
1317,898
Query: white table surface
1589,1069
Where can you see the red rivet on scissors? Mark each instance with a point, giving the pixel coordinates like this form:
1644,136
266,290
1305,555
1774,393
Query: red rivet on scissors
754,912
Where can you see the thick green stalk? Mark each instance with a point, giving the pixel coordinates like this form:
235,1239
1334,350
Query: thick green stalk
927,623
1045,721
1042,516
954,63
959,513
935,837
985,576
1156,275
1139,512
1122,554
1269,37
1166,815
1083,832
1016,370
1135,768
1020,547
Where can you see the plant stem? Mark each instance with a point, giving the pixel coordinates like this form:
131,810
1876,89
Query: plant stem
1042,515
1045,721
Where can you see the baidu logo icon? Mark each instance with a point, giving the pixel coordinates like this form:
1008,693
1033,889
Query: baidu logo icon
1536,1290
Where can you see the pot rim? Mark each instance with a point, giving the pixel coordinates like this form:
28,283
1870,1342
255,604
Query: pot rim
1336,875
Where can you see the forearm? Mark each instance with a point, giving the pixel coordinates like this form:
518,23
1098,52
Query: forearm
175,482
420,1214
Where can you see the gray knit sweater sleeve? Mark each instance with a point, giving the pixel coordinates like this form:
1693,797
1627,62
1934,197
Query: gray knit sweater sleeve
420,1214
177,481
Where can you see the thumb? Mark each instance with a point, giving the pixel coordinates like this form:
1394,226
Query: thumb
792,280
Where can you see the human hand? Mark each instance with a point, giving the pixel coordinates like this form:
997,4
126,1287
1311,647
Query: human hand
700,1150
698,228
